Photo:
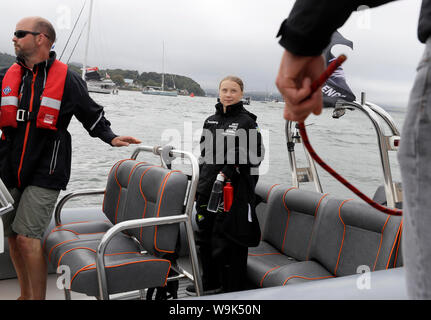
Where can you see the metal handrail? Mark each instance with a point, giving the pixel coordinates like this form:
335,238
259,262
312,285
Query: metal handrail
59,206
6,205
6,200
117,228
373,112
292,159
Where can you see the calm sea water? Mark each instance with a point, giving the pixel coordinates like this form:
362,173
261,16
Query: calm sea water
348,144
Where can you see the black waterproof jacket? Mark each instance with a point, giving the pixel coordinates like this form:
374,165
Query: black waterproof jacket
308,29
230,142
42,157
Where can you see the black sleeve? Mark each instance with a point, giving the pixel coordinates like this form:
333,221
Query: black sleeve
87,111
308,29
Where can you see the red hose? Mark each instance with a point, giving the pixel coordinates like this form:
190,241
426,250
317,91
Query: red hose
315,85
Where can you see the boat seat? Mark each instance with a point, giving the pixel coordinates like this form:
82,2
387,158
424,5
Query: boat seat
352,234
346,237
135,258
77,229
263,190
290,220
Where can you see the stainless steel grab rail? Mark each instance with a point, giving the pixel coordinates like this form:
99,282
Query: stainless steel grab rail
6,200
307,174
385,143
59,206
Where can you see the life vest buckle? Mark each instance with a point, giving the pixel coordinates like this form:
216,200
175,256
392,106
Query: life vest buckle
21,115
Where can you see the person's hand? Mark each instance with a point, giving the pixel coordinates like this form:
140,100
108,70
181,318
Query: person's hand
294,80
123,141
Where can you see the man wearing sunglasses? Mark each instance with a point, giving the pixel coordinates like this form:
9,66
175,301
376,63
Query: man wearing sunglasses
38,99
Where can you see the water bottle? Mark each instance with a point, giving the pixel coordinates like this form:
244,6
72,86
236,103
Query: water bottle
227,196
216,194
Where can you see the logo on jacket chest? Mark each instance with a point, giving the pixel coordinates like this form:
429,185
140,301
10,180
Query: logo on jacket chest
231,129
7,90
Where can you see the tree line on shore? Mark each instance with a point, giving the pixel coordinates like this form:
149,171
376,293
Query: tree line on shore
119,76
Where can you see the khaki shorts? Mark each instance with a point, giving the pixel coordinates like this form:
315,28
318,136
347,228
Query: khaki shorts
33,212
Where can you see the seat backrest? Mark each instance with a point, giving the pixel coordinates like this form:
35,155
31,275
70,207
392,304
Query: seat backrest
262,192
290,220
350,234
154,191
116,188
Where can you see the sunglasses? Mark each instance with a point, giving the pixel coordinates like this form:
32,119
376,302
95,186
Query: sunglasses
22,33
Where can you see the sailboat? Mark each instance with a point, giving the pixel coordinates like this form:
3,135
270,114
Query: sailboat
93,79
160,91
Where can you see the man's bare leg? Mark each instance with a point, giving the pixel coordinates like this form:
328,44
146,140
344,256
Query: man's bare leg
35,265
20,269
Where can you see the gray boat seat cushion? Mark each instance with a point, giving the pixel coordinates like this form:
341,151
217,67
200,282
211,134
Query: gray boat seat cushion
262,260
73,232
156,192
300,271
126,269
291,215
117,186
351,234
77,229
342,238
263,191
134,191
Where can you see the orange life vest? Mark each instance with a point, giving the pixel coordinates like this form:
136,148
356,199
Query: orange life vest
50,100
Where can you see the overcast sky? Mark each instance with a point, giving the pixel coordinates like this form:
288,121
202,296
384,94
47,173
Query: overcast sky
208,39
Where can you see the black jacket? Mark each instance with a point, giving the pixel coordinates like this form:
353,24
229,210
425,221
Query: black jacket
46,155
233,138
308,29
231,142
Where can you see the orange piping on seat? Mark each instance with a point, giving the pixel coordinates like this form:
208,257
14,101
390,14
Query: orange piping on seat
77,272
58,244
93,266
164,182
145,199
306,278
399,242
312,231
77,248
397,239
57,228
264,276
344,233
74,232
121,188
288,216
381,240
133,169
104,195
92,250
269,191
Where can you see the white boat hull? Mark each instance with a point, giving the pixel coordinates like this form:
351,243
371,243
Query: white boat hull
161,93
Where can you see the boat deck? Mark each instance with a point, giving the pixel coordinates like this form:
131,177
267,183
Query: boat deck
11,291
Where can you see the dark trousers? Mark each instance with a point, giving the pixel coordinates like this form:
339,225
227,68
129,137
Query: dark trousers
224,263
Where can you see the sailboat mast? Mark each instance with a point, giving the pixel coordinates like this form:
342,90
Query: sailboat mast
84,67
163,67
